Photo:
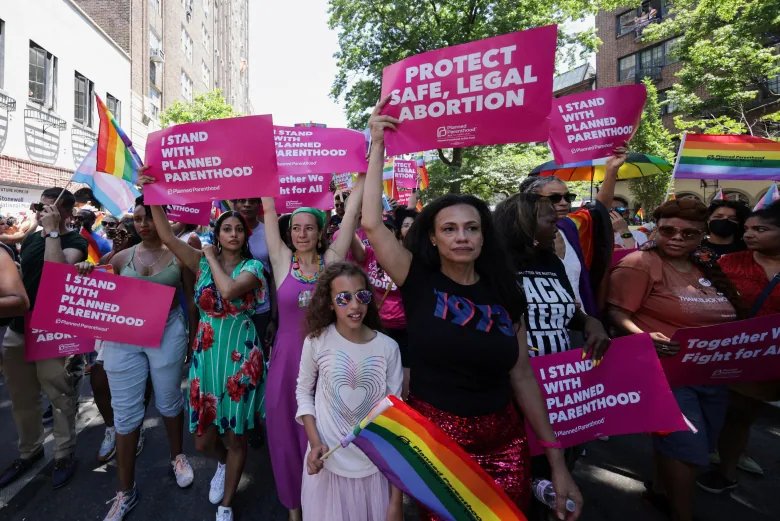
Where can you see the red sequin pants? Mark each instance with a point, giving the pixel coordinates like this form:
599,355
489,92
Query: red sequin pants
496,441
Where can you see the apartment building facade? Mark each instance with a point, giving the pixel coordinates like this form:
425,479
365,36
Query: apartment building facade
624,59
178,49
49,77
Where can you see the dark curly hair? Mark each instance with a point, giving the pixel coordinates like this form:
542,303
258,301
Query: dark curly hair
771,213
400,216
515,219
695,211
492,264
245,253
320,313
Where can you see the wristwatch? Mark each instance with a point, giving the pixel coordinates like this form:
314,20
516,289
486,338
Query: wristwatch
53,235
627,235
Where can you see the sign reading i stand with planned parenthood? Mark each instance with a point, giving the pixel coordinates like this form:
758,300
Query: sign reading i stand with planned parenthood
590,125
315,150
221,159
487,92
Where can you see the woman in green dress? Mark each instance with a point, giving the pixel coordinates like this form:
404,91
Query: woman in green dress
227,362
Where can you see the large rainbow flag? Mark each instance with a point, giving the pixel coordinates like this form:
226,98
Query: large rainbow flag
115,153
417,457
117,195
705,156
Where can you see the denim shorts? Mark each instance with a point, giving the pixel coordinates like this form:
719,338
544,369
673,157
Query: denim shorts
705,407
127,367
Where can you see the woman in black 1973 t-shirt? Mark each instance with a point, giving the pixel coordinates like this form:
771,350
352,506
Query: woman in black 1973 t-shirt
467,346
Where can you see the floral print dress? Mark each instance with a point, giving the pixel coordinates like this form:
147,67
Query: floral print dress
227,363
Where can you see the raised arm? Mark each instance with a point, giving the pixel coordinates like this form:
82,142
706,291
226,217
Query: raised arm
186,254
607,189
338,250
278,251
394,258
227,286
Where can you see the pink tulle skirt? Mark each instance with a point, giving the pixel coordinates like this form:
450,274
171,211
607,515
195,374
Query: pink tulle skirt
326,496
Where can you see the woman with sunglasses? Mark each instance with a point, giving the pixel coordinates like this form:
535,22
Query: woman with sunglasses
585,239
756,274
470,373
671,284
296,272
344,344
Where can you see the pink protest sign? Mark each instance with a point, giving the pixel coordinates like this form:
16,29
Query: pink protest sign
487,92
42,345
220,159
626,394
195,213
101,305
590,125
741,351
404,179
303,190
314,150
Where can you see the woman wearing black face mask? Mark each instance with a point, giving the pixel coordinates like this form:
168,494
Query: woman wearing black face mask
725,224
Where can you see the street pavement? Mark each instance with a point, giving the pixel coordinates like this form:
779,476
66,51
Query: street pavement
610,475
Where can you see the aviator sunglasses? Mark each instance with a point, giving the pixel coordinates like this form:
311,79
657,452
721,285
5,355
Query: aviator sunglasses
556,198
688,234
363,296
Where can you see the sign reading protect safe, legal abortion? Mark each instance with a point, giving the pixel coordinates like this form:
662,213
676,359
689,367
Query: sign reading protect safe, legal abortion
590,125
626,394
741,351
487,92
404,179
101,305
222,159
315,150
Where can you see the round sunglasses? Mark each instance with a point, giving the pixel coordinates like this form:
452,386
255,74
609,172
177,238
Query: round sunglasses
687,234
363,296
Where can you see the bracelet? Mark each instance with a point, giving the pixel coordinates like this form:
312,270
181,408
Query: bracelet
550,444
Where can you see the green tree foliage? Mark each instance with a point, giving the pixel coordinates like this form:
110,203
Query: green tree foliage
205,107
728,51
652,138
374,35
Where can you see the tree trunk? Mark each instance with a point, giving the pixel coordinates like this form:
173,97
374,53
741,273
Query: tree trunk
454,165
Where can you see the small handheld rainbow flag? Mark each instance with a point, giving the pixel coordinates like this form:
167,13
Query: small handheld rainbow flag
770,197
640,214
93,252
115,153
705,156
422,171
418,458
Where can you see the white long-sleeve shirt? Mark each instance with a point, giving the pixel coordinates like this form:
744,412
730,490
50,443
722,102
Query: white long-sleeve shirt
339,383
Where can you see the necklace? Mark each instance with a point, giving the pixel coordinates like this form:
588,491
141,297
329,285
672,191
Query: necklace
298,274
147,268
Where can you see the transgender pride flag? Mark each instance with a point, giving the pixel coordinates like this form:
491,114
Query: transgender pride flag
116,194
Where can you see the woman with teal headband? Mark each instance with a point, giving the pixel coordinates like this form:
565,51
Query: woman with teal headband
295,274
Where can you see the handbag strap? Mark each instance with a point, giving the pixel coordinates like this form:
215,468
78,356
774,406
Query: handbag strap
764,295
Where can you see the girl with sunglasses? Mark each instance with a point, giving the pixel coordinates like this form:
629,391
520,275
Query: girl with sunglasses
296,271
347,367
672,284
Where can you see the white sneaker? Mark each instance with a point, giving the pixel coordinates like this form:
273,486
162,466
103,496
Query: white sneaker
123,503
224,514
108,445
183,471
217,489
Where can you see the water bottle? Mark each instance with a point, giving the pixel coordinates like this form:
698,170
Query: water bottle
544,492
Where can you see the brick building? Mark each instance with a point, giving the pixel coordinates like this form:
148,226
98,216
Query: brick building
178,48
48,81
623,59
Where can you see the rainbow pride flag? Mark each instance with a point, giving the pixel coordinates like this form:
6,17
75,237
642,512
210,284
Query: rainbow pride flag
705,156
115,153
640,214
417,457
93,252
422,171
117,195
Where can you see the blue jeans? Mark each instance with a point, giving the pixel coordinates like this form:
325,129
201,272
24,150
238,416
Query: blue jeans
127,367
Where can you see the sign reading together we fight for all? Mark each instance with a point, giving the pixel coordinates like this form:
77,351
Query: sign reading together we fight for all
486,92
590,125
221,159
